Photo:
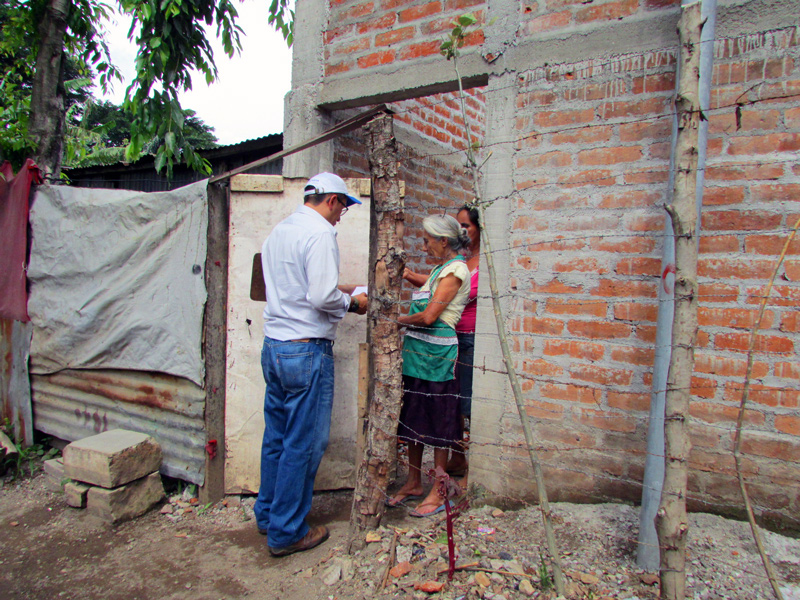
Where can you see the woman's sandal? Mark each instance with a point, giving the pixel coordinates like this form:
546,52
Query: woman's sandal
396,501
437,510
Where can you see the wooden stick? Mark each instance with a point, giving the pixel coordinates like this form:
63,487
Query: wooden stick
392,556
476,567
738,436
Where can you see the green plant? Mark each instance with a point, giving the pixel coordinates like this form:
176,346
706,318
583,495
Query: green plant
203,509
545,581
24,460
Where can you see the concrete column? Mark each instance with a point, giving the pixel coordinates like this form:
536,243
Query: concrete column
491,390
302,120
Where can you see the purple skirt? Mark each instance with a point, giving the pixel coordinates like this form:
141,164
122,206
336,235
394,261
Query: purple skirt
431,412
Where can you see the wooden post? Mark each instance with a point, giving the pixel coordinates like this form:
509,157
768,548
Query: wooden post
671,520
215,341
386,260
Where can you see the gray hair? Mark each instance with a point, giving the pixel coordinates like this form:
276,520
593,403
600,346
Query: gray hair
445,226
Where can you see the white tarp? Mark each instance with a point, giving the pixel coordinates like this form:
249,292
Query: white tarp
117,280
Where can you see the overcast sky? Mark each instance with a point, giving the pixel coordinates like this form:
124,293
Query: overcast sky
247,100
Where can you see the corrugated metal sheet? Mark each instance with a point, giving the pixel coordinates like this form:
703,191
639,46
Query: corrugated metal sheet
75,404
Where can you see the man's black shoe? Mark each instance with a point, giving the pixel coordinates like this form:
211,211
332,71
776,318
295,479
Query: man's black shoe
314,537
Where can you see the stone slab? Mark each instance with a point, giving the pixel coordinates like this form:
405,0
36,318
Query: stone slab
75,493
127,501
54,473
112,458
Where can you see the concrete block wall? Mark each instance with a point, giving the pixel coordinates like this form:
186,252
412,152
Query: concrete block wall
580,177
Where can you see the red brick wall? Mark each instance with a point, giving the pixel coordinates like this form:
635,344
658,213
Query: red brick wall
585,234
369,34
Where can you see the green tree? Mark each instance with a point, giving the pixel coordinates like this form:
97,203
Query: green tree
39,37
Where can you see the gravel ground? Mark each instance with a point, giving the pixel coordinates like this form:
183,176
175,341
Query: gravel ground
184,550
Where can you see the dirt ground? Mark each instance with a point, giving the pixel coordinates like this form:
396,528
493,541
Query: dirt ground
50,551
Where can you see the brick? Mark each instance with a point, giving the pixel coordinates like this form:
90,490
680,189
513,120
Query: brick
609,156
646,176
112,458
639,266
544,410
718,292
585,135
599,329
660,4
554,286
649,84
770,244
127,501
629,401
558,245
657,129
632,199
781,295
580,350
607,12
571,393
788,424
764,144
790,323
591,177
718,195
548,21
771,446
737,318
763,394
718,244
703,387
727,367
380,23
54,473
376,58
787,370
387,38
542,326
624,245
647,334
645,223
588,223
563,118
421,11
607,421
718,413
625,289
540,367
573,306
354,12
633,355
580,265
744,173
791,270
764,343
548,159
745,220
75,494
635,311
786,192
342,67
721,268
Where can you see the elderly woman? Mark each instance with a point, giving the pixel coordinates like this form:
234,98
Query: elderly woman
431,412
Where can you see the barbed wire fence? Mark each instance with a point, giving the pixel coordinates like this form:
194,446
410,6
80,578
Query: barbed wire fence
747,292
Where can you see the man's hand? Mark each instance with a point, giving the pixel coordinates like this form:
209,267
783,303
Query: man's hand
362,303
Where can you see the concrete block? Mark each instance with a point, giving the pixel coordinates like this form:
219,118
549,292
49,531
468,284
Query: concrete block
54,473
75,493
112,458
127,501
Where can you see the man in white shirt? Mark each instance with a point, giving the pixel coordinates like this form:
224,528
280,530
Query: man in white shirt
300,260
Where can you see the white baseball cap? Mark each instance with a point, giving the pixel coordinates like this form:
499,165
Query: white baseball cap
328,183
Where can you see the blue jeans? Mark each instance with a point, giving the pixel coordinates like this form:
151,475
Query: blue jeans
466,358
297,419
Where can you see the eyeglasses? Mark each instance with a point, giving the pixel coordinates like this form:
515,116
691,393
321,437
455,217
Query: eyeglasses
339,199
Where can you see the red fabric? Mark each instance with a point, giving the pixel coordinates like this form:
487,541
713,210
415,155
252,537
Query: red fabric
14,192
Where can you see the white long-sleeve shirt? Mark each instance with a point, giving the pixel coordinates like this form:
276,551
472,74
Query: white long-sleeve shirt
300,259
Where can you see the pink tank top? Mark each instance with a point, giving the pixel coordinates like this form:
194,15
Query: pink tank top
467,322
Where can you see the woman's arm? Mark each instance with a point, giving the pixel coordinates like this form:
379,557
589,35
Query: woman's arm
415,279
445,292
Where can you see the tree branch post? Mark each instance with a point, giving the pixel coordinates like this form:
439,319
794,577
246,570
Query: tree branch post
671,519
386,261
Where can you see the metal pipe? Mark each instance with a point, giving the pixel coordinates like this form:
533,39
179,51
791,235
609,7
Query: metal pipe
648,555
